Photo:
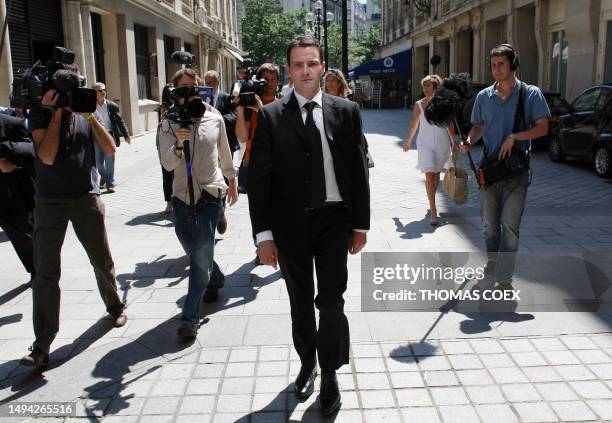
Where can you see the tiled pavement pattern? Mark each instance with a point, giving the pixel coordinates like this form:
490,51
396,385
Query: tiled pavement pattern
475,367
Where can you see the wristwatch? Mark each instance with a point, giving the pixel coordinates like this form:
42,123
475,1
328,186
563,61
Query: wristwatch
89,118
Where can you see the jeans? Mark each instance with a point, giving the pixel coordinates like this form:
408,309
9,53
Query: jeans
196,233
501,209
106,166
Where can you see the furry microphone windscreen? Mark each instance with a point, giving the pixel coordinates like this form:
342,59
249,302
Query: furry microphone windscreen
449,99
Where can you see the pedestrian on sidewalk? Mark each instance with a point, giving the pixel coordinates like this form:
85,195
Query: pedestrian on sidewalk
196,218
167,176
506,130
334,83
67,191
433,144
309,199
107,113
17,188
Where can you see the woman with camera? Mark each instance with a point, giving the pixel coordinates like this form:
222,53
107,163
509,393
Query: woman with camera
193,143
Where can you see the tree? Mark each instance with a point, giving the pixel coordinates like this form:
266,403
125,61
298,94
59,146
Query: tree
364,44
267,31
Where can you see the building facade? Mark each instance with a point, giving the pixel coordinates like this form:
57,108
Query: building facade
564,45
372,12
126,44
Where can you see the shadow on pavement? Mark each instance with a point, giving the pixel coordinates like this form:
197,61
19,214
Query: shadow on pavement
417,228
28,379
161,219
141,354
8,296
13,318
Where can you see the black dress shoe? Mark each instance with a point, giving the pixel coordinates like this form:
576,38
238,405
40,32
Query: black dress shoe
304,383
329,397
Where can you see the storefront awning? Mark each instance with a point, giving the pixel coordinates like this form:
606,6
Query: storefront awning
396,64
236,55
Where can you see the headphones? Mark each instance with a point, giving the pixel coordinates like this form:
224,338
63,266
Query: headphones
514,60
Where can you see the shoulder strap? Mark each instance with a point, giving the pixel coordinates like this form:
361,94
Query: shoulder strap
519,115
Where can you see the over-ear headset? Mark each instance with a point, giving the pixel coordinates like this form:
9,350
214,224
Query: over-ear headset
514,60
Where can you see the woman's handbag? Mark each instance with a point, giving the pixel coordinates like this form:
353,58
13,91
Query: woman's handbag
456,179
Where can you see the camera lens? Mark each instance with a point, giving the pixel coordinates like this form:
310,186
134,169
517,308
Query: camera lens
196,108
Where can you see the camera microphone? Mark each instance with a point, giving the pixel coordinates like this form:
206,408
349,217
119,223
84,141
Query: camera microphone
182,57
65,80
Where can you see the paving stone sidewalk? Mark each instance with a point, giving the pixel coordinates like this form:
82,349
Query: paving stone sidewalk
539,367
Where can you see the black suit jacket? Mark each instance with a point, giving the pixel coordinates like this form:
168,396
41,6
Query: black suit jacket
118,124
224,105
279,168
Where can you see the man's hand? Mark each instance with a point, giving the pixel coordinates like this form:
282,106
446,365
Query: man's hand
506,147
50,98
232,192
6,166
268,254
128,140
182,135
357,242
464,147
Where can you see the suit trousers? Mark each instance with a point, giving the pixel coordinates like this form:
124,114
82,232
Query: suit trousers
19,228
51,218
329,231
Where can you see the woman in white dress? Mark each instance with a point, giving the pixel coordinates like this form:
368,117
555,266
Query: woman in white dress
433,143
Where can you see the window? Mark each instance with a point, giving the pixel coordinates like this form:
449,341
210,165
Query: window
143,74
586,101
558,63
605,95
608,58
188,47
98,45
168,50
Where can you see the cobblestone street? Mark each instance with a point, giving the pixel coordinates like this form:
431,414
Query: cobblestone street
405,367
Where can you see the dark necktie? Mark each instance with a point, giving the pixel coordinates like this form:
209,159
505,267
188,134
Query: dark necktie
317,174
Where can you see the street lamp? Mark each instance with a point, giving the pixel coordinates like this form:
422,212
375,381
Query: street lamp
314,21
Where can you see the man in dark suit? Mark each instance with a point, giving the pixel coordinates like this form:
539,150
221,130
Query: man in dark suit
17,188
309,199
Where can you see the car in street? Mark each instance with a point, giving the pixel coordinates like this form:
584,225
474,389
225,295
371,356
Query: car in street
585,132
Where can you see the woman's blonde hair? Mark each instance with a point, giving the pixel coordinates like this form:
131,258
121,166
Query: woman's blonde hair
434,79
345,89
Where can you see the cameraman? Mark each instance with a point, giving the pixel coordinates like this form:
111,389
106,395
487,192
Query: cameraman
271,74
17,188
211,160
67,190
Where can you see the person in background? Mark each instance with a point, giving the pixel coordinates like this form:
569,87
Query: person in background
167,176
433,144
335,84
107,113
17,188
287,88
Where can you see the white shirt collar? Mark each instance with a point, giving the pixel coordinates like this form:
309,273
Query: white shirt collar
318,98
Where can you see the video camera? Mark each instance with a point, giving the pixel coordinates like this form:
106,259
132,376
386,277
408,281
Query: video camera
248,85
30,86
188,111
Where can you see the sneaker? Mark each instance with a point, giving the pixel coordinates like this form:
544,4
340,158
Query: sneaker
110,190
188,330
36,358
222,224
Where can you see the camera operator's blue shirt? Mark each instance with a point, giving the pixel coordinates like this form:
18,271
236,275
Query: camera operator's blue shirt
497,116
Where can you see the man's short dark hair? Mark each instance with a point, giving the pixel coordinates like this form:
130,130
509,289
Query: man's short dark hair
505,50
303,41
268,67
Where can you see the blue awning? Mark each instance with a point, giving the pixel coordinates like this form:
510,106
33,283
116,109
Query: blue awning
396,64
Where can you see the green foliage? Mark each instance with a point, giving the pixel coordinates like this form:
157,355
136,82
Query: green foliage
267,32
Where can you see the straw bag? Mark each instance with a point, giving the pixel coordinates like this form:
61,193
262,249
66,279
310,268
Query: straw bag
456,181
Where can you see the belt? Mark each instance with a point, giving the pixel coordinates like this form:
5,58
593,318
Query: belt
326,205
